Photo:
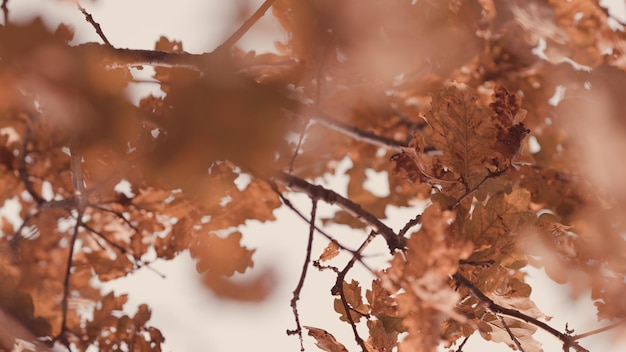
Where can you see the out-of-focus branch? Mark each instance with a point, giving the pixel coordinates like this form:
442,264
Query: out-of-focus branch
11,329
356,133
394,241
599,330
81,204
23,172
5,11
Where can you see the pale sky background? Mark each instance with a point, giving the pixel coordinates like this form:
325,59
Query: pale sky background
189,316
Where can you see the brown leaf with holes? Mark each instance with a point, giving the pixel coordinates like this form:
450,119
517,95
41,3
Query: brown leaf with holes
462,131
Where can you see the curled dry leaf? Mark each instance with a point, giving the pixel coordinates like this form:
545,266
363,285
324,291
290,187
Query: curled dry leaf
325,341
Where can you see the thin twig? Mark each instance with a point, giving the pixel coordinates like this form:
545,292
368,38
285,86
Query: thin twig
568,341
95,232
356,133
81,203
305,266
317,100
599,330
489,176
118,215
5,11
508,330
394,241
76,160
94,24
22,169
460,349
66,281
245,27
415,221
338,289
289,205
137,262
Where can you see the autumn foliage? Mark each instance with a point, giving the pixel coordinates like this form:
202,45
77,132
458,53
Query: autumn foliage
504,117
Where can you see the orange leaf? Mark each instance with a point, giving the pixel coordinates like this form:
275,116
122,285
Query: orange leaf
330,252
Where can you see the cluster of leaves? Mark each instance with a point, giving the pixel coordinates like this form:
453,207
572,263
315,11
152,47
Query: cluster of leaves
444,96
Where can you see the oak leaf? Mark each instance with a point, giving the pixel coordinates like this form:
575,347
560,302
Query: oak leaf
221,256
352,294
462,131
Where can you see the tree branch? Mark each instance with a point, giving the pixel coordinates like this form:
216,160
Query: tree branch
508,330
460,349
22,169
413,222
354,132
305,266
245,27
94,24
338,289
81,203
568,341
66,282
394,241
599,330
5,11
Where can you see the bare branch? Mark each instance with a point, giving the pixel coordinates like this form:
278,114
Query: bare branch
66,281
77,176
5,11
118,215
305,266
460,349
245,27
94,24
81,203
599,330
118,57
22,169
394,241
338,289
317,99
355,132
413,222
